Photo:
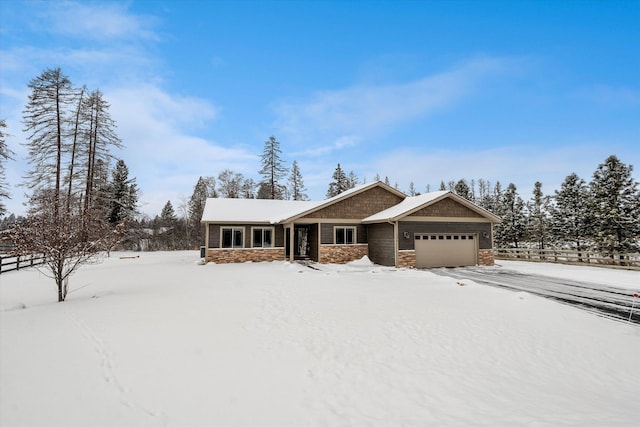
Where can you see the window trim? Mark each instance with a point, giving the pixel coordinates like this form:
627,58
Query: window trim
222,229
273,237
345,228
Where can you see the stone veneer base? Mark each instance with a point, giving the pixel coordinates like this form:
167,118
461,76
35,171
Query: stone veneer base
485,257
225,256
342,254
407,259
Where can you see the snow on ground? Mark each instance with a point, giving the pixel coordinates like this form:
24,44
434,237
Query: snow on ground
628,279
160,340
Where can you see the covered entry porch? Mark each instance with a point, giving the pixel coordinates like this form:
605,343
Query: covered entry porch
302,242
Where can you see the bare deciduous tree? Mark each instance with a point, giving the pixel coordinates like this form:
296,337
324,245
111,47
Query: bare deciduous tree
60,240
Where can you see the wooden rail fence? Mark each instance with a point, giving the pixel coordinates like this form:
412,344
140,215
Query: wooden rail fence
629,261
13,263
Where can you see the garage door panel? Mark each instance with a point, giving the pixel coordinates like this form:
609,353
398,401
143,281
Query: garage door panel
445,250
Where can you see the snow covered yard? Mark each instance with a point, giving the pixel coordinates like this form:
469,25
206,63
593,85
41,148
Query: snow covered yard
160,340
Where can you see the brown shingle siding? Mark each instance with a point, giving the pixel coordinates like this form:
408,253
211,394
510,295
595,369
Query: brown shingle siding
381,244
359,206
447,207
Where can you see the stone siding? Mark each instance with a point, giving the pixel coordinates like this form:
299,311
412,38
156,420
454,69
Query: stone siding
225,256
342,254
485,257
407,259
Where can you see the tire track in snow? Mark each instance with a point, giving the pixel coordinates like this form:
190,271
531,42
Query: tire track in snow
604,300
108,366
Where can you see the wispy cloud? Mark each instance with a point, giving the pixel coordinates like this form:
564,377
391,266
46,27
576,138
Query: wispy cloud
161,147
97,21
610,95
361,110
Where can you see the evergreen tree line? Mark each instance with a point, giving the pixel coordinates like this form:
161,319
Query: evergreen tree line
601,215
70,137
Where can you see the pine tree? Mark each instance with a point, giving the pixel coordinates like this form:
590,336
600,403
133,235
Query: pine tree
248,189
167,232
513,226
296,184
616,207
352,180
462,189
484,194
539,222
204,189
339,184
273,170
412,189
45,118
5,154
101,137
571,218
472,188
443,187
168,216
76,135
124,195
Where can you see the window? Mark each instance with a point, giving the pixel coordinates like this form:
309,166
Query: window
344,235
262,237
233,237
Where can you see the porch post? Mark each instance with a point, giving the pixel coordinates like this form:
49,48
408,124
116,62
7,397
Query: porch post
206,242
291,240
395,243
319,240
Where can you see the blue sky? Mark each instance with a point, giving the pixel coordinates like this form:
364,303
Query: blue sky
419,91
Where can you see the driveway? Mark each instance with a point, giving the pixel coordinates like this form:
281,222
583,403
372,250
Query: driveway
601,299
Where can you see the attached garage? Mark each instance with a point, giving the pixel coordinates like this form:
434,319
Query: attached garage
439,229
445,250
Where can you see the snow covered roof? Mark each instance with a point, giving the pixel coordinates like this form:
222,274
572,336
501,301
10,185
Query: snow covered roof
257,211
261,211
415,203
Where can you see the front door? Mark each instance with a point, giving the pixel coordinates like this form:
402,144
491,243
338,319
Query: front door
301,241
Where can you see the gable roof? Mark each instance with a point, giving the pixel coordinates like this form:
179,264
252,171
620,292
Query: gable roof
343,196
412,204
261,211
256,211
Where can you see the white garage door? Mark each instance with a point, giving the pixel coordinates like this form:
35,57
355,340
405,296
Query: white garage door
445,250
